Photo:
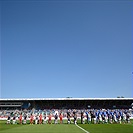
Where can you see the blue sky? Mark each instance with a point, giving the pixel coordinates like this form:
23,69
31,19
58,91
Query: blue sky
75,48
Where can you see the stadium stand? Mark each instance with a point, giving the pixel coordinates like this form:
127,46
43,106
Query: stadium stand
83,107
67,103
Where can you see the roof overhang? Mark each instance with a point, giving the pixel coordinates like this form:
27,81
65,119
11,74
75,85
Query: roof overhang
46,99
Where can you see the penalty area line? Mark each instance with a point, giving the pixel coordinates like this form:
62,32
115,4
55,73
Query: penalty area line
82,128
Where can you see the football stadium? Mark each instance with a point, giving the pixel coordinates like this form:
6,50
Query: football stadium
66,115
66,66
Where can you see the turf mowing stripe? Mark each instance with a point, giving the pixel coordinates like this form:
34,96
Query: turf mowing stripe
82,128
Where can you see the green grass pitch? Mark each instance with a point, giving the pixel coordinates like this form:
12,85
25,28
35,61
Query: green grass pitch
66,128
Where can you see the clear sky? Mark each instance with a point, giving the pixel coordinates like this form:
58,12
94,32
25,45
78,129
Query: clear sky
66,48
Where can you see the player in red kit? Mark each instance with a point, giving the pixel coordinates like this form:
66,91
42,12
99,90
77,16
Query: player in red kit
61,118
31,119
49,119
40,119
20,119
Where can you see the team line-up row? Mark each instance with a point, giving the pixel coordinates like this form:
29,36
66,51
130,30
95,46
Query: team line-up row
93,116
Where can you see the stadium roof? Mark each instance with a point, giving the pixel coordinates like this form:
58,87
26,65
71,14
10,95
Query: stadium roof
30,99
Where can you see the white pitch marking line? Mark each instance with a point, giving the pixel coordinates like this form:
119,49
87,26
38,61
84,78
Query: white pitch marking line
82,128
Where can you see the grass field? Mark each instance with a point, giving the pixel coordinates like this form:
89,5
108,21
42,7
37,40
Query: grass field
66,128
